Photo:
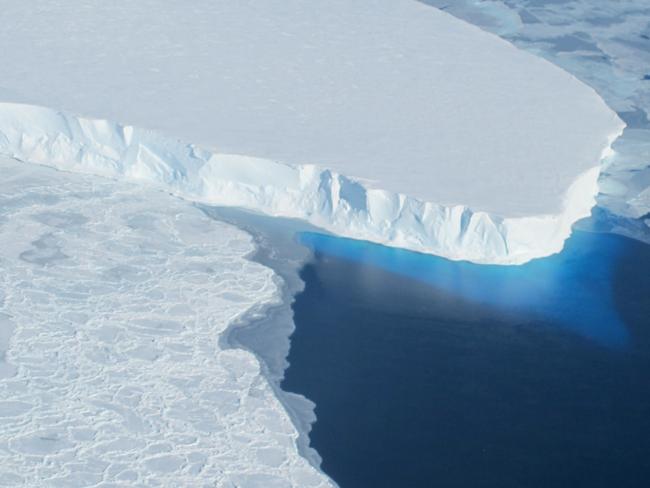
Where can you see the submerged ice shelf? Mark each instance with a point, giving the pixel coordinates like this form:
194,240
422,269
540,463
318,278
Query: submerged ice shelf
385,120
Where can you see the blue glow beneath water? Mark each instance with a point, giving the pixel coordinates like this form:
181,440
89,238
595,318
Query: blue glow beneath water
572,289
427,372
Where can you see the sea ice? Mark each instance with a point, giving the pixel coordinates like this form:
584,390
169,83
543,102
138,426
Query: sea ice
117,296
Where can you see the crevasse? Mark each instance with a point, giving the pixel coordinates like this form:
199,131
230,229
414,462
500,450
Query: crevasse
320,196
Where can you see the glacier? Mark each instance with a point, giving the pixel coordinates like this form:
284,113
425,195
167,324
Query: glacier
389,121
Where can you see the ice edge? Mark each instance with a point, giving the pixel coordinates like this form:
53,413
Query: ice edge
320,196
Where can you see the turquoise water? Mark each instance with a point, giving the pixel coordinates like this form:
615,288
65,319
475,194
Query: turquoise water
556,289
427,372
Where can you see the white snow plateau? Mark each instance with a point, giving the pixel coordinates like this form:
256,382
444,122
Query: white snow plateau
385,120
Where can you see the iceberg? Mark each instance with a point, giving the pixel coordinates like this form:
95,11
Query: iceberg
389,121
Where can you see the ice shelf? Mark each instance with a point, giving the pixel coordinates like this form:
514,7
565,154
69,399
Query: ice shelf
321,196
393,121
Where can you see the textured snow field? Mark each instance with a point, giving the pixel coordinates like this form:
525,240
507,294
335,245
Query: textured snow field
114,375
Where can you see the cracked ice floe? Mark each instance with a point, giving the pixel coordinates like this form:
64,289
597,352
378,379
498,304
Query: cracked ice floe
114,376
429,133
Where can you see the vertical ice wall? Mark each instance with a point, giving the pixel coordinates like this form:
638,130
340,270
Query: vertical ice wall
319,195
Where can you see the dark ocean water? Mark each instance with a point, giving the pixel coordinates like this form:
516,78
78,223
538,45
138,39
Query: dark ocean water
431,373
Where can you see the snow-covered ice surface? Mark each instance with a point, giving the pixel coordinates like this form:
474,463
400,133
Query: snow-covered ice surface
449,139
606,44
114,375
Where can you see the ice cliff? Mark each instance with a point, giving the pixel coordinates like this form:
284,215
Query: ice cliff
321,196
386,120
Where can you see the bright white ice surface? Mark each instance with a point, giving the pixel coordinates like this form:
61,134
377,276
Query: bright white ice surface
117,297
392,93
605,44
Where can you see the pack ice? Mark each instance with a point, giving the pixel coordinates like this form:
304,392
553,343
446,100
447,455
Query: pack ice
116,298
385,120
